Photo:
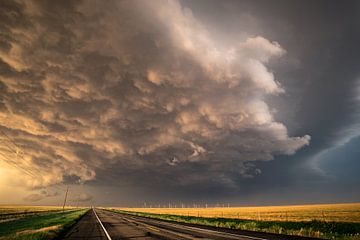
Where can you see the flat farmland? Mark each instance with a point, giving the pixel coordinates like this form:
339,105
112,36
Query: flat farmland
36,222
349,212
20,208
12,212
329,221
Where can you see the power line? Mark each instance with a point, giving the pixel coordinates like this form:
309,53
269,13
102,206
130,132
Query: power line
16,165
20,166
12,141
26,171
17,152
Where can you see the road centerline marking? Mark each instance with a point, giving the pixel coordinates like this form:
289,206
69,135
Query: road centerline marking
102,226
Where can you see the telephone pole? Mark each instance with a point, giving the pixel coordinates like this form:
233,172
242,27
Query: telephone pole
67,189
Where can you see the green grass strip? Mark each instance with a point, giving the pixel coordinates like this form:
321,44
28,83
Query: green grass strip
22,228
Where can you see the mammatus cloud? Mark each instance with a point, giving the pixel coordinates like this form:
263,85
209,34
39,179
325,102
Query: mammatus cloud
133,87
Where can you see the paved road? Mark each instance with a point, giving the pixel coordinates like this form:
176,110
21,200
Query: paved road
86,228
123,226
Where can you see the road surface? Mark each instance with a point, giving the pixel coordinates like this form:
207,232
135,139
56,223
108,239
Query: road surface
99,224
86,228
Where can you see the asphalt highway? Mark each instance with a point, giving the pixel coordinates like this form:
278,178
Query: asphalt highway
86,228
99,224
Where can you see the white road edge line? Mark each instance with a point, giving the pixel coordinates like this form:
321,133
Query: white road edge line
106,233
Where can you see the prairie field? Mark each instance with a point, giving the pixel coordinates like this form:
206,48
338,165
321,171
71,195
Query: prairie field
349,212
36,222
327,221
13,212
23,209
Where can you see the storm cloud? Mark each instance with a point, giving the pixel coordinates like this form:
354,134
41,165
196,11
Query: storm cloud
83,197
131,87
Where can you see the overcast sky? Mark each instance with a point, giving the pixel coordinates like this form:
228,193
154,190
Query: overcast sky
127,102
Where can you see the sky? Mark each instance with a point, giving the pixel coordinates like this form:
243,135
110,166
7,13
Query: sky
128,103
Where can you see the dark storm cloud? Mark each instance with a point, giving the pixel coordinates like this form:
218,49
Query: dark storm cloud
321,75
136,91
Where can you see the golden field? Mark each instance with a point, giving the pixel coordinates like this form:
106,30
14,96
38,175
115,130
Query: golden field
349,212
7,209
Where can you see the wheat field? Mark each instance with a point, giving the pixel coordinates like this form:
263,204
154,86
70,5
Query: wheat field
7,209
13,212
349,212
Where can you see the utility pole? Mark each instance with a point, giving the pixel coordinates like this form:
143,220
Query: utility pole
78,202
67,189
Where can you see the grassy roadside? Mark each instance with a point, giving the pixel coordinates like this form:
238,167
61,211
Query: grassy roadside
42,227
327,230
